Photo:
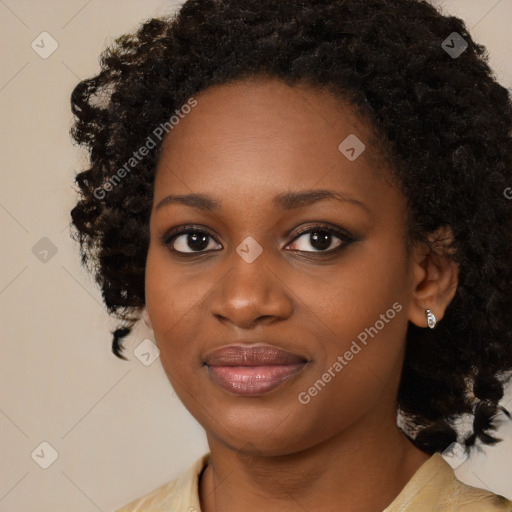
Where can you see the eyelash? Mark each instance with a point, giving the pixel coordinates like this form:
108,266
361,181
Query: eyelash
346,239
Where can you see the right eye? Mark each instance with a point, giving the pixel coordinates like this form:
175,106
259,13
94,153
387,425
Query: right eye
188,241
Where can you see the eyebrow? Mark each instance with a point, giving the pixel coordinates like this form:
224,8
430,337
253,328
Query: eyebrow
285,201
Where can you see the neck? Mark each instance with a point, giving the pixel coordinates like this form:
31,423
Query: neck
361,469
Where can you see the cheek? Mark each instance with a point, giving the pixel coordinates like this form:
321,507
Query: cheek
362,308
363,287
173,304
357,368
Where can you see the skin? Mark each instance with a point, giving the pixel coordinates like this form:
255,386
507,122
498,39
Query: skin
244,143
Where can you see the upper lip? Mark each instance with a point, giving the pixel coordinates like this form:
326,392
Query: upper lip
261,354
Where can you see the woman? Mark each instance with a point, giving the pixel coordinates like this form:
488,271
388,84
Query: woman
306,200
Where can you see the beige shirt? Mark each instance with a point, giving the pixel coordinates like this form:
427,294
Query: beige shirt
433,488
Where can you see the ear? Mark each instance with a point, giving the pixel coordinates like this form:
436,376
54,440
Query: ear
147,320
435,277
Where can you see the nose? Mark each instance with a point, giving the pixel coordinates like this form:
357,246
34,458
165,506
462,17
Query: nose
251,293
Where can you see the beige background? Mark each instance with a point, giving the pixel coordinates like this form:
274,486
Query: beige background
116,426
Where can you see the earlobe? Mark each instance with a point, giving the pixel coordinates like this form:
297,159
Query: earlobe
435,279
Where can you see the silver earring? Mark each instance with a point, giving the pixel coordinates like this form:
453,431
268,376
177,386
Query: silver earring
431,318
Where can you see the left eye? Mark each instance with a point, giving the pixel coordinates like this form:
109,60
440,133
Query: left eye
320,239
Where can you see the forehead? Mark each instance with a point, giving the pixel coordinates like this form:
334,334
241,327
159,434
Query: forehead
255,136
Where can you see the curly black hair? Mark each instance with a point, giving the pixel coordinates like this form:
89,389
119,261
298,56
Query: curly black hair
443,118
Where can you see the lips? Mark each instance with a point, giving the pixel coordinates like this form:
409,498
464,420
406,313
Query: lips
252,370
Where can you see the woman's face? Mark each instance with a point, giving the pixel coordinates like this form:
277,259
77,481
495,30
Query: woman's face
334,298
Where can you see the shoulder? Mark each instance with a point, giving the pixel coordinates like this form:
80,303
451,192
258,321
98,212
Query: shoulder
435,488
464,498
179,494
150,501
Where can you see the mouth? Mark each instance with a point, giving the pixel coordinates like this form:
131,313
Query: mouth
252,370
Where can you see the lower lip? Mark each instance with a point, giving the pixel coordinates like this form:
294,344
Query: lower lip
253,380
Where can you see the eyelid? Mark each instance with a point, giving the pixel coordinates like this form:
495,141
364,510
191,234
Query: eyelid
339,232
180,230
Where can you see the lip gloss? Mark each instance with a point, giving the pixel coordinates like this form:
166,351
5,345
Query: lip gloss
253,380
